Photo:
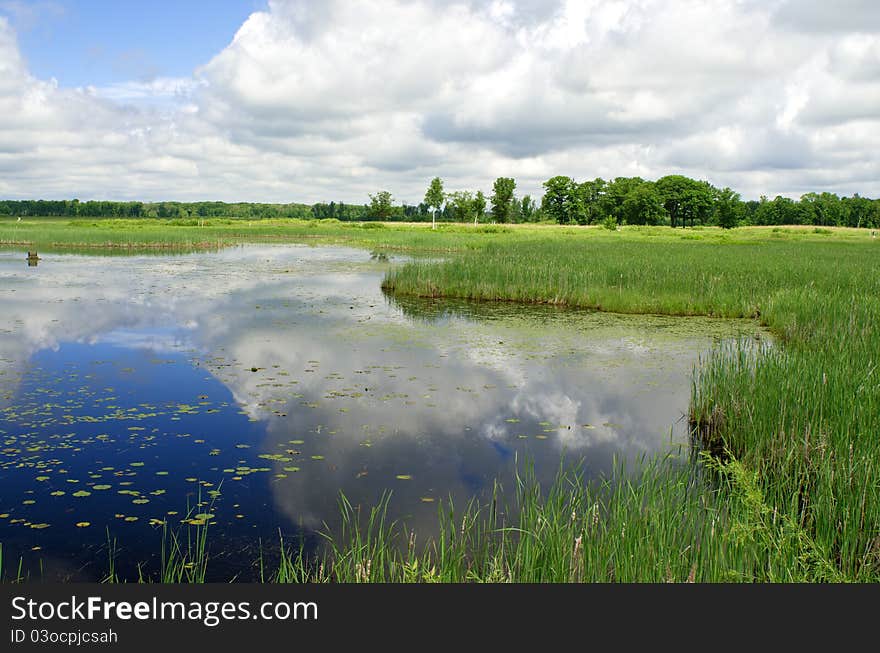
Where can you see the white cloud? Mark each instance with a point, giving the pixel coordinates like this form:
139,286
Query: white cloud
334,100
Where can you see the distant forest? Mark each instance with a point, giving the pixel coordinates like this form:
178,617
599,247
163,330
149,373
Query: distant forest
674,200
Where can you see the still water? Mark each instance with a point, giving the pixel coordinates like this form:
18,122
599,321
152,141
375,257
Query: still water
247,388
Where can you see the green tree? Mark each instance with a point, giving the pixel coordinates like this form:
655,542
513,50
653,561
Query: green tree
728,208
559,199
615,194
591,195
642,205
528,208
859,211
502,199
782,210
462,204
434,198
380,205
479,206
686,199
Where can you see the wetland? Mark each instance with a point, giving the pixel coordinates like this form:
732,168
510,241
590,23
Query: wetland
247,389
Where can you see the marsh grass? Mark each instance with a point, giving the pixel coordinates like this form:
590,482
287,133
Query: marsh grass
796,425
119,235
19,572
172,235
659,524
184,552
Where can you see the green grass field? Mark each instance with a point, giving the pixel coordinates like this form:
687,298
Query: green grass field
791,490
146,234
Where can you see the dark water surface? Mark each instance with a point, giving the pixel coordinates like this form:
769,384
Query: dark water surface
248,387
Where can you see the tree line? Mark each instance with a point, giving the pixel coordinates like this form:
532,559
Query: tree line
673,200
680,201
165,210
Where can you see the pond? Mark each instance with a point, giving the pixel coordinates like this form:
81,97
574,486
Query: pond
249,387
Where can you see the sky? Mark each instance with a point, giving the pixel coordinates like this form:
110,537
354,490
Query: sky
306,101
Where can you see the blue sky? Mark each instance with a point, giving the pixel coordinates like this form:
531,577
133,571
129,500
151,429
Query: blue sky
100,42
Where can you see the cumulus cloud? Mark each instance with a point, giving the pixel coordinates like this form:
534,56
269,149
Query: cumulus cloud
334,100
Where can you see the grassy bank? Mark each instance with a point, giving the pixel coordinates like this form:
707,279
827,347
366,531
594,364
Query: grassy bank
168,235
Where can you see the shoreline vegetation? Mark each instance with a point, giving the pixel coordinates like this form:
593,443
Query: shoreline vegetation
785,480
60,234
